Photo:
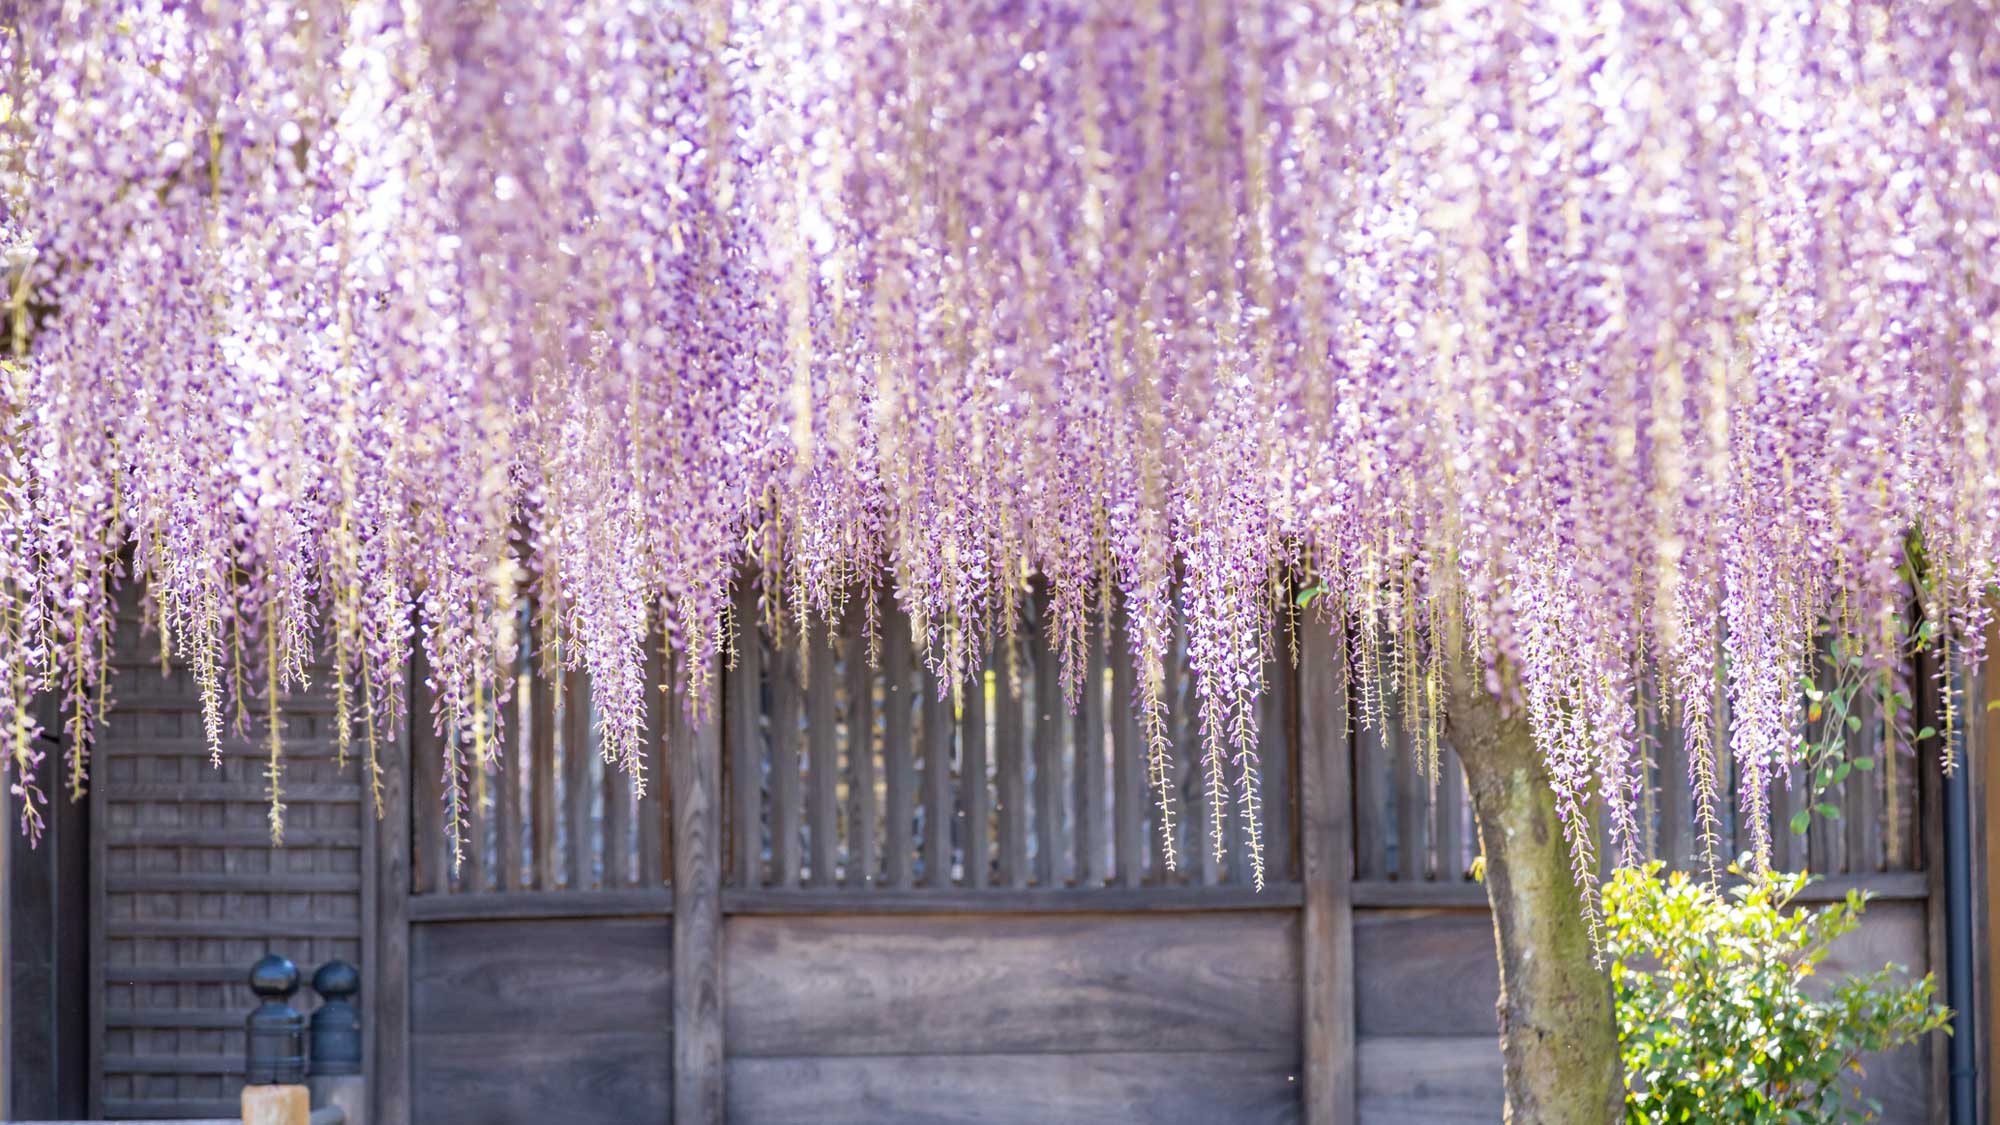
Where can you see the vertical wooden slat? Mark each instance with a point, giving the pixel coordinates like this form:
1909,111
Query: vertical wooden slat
1864,804
432,844
94,997
784,664
387,996
654,861
479,791
861,858
746,741
1676,800
900,782
542,774
1047,753
940,810
1011,772
1412,799
1127,763
507,825
696,756
1274,758
978,800
1449,817
1326,836
1093,828
576,763
617,790
823,775
1371,801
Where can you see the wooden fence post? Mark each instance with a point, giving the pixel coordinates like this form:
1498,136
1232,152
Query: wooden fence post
274,1091
1326,848
337,1078
696,754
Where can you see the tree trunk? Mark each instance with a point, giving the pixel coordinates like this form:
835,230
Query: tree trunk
1557,1037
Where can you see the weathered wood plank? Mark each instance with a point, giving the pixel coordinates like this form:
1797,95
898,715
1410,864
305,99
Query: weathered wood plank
1423,972
1429,1081
1326,836
579,834
1240,1087
595,1079
655,831
548,977
783,661
1011,771
746,740
387,991
697,931
1449,818
1412,799
1050,864
1371,802
978,791
507,824
494,906
863,862
542,756
822,758
940,805
1276,735
856,985
616,786
1167,898
1093,829
1131,803
899,791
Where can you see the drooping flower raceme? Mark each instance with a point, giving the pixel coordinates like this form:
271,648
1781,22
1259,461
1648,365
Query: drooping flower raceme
1639,344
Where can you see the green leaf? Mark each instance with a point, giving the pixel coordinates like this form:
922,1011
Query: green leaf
1831,812
1307,595
1801,820
1864,764
1927,732
1854,722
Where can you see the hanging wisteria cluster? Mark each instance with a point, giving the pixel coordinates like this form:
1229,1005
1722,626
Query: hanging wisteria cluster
1614,338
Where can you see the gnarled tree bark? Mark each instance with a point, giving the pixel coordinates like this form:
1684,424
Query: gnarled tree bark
1557,1036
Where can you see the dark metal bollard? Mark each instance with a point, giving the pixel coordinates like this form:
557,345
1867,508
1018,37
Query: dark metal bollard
336,1026
277,1040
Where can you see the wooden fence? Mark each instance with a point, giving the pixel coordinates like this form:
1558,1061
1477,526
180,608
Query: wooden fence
854,898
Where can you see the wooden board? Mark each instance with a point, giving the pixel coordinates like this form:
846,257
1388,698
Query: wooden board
961,984
1239,1087
575,1013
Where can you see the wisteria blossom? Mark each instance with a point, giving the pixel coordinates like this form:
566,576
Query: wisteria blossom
1641,344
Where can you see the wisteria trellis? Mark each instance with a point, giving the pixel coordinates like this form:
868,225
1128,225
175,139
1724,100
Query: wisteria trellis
1613,336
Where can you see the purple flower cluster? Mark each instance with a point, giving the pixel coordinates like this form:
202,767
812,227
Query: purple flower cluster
1636,344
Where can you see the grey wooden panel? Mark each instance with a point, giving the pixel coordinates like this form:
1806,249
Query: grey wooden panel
655,831
1011,773
1424,972
525,1077
940,802
1093,825
1326,840
786,692
978,823
822,758
1239,1087
863,863
745,688
579,833
555,976
164,1037
1132,804
1050,864
618,824
898,680
542,758
1372,755
697,975
1448,817
1276,737
1412,802
1429,1081
956,984
507,824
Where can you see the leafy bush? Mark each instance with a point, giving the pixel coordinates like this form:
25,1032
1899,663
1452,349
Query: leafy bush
1715,1019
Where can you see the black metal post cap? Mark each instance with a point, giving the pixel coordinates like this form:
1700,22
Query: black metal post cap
336,979
274,977
336,1026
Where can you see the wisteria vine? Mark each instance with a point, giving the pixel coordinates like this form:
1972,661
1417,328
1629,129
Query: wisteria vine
1641,344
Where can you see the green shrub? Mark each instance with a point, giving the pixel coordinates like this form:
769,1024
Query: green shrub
1716,1022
